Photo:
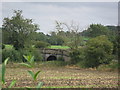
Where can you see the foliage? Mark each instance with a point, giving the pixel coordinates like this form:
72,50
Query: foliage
3,46
112,66
98,51
96,30
34,76
71,37
41,44
77,55
17,55
17,30
30,63
4,70
54,39
7,46
81,64
3,74
14,55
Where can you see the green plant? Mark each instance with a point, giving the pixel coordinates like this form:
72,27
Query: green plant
34,76
30,63
41,44
13,55
3,74
98,51
77,55
3,70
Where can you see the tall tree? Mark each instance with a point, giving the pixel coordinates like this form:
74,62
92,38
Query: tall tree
96,30
72,36
18,29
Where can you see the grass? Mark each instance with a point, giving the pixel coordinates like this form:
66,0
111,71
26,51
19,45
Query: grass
8,46
58,47
51,47
61,77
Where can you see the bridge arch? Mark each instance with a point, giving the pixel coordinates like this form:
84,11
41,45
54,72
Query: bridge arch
54,54
51,58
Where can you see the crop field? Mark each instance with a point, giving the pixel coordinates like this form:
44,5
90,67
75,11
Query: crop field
61,77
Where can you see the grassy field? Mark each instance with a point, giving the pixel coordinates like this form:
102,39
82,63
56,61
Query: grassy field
58,47
8,46
51,47
61,77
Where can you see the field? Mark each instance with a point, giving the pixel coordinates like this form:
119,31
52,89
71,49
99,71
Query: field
51,47
62,77
58,47
8,46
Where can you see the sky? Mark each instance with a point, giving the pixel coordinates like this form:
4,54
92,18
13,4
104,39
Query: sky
46,13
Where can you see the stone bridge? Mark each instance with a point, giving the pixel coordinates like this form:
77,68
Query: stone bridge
55,54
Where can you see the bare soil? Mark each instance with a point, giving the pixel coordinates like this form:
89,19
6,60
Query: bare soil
62,77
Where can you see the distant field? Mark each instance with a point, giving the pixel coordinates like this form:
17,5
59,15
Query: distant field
51,47
58,47
8,46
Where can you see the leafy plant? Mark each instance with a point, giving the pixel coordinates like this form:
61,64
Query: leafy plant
34,76
12,84
30,63
39,85
3,74
3,70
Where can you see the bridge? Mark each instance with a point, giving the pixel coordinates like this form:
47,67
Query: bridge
55,54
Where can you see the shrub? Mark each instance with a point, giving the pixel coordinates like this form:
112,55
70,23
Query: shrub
98,51
109,67
77,55
13,54
17,55
41,44
81,64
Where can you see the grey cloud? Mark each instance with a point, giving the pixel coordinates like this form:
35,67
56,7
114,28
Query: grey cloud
45,14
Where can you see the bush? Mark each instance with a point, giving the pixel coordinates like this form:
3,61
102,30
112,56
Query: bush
13,54
77,55
17,55
34,52
109,67
41,44
98,51
81,64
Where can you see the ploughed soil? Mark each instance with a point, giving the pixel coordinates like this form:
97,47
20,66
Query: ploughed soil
61,77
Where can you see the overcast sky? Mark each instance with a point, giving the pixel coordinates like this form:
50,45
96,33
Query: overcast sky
45,14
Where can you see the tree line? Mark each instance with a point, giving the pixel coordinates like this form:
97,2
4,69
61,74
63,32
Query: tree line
98,43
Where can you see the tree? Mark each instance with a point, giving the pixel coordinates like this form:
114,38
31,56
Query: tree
98,51
71,37
18,29
96,30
